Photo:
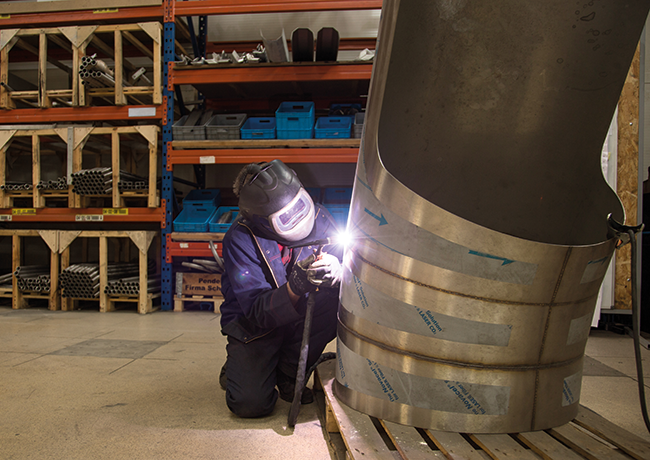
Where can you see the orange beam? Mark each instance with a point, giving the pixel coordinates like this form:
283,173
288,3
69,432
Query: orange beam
208,7
264,73
80,16
80,114
243,156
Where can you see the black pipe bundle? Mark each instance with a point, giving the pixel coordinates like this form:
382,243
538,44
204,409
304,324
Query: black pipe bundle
82,280
16,186
99,181
33,278
131,286
60,183
95,73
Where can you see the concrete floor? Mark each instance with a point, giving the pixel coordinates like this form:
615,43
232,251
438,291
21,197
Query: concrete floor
87,385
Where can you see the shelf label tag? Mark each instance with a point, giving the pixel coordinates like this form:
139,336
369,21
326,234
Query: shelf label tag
206,160
23,212
106,10
142,112
88,218
5,217
184,245
115,211
5,16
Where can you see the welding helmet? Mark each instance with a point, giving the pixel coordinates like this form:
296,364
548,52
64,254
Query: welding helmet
272,198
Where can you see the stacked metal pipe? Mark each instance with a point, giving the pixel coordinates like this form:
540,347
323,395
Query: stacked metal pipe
16,186
99,181
6,281
33,278
82,280
95,73
131,286
60,183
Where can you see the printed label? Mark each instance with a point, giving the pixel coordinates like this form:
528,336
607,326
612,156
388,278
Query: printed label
23,212
88,218
207,160
595,270
571,389
142,112
5,217
579,329
115,211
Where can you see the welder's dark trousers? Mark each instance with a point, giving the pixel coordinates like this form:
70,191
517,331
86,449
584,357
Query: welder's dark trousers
253,369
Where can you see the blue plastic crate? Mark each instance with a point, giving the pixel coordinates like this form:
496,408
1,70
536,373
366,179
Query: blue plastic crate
333,128
207,197
259,128
340,214
194,219
217,227
295,115
296,133
337,195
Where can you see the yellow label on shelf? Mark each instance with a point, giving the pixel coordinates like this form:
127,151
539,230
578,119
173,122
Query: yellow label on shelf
88,218
115,211
5,16
106,10
23,212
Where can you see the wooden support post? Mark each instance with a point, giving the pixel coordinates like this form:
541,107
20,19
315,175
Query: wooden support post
120,98
38,198
43,99
67,304
115,163
144,302
104,305
5,201
5,95
77,87
17,300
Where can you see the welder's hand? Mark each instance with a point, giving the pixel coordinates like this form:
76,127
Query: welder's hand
325,271
298,280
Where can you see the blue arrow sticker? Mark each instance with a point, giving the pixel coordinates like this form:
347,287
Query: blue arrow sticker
382,220
489,256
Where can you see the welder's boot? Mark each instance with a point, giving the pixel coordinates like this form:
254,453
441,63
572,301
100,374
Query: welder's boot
222,378
287,388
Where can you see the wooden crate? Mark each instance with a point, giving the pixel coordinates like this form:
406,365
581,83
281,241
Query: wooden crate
19,298
80,141
588,436
107,41
141,239
181,301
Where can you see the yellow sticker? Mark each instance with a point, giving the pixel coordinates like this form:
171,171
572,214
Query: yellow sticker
106,10
115,211
5,16
23,212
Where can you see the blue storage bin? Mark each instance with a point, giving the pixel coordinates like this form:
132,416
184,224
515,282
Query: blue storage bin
333,128
194,219
206,197
296,133
337,195
295,116
340,214
259,128
221,227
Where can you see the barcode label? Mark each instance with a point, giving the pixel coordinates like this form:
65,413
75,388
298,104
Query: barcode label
88,217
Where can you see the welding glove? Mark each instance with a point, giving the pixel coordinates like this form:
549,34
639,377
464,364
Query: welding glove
325,271
298,280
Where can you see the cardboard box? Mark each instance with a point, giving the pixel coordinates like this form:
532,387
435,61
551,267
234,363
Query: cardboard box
200,284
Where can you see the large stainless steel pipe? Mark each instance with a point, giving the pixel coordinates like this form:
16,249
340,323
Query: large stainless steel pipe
480,211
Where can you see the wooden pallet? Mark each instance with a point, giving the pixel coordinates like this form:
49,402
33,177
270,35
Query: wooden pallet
588,436
181,301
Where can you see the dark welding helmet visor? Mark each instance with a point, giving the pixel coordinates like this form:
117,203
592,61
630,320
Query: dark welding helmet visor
272,198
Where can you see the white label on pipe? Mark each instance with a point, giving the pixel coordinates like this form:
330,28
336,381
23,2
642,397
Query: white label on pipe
571,389
373,379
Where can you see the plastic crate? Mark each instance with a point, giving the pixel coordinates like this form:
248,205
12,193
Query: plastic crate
207,197
225,126
194,219
295,133
340,214
191,127
337,195
333,128
295,115
220,227
258,128
344,110
357,128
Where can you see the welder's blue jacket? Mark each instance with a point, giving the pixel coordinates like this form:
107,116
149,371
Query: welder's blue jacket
254,284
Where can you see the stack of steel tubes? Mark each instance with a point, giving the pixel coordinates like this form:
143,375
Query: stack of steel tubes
6,281
60,183
95,73
82,280
16,186
99,181
33,278
131,286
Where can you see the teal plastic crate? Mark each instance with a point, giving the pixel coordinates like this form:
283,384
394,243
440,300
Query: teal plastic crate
203,197
295,116
337,195
333,128
221,227
194,219
259,128
340,214
295,133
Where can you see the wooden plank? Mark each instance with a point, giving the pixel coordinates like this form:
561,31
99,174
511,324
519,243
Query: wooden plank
547,447
629,443
453,445
584,444
120,98
409,442
502,446
359,434
16,7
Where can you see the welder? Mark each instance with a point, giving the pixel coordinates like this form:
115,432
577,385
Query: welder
268,276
